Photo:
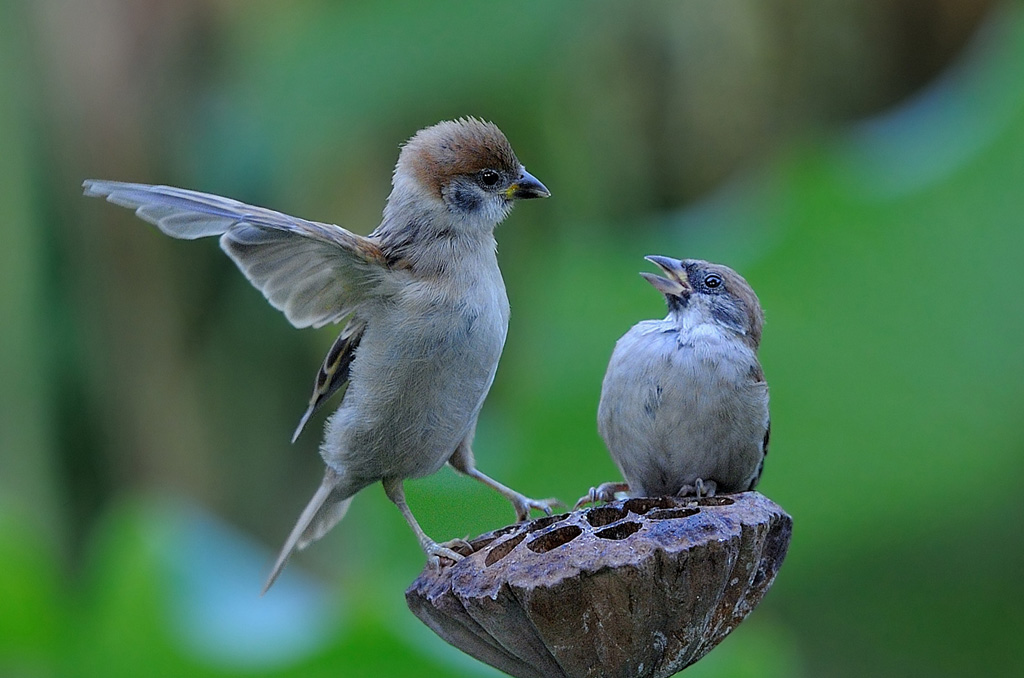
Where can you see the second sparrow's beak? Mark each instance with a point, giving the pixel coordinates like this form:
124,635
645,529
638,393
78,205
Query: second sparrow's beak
525,187
676,284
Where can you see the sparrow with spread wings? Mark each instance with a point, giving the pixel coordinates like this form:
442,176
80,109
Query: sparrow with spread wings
424,302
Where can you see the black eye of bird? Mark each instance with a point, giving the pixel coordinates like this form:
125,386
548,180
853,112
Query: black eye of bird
713,280
489,177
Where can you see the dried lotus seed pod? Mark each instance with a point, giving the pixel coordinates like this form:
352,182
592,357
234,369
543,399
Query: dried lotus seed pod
636,587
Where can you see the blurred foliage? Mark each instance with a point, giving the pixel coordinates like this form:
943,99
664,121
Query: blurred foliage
860,162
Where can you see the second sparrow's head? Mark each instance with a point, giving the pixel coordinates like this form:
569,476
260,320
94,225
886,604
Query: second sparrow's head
469,167
699,291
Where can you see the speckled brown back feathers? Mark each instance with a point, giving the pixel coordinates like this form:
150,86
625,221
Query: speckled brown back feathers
455,147
334,371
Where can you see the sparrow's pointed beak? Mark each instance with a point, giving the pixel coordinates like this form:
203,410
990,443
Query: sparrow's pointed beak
676,284
527,186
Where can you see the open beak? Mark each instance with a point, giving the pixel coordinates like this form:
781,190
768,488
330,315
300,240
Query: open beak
526,186
676,284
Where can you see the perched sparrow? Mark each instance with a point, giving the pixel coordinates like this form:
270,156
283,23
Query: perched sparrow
684,405
424,301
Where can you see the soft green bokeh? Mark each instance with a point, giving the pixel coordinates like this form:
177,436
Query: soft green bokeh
148,393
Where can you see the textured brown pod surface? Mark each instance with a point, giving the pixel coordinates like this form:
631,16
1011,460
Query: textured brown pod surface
636,587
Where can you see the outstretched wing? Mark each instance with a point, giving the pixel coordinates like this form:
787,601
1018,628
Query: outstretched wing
315,273
333,373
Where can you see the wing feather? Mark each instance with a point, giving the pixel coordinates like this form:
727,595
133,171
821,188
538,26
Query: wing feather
315,273
334,371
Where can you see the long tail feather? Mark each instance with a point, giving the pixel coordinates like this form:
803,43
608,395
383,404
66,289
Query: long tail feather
322,513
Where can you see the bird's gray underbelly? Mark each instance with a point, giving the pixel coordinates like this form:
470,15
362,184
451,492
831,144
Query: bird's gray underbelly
706,435
411,402
670,417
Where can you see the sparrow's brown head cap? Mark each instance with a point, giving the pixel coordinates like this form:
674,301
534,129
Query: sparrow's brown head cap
456,147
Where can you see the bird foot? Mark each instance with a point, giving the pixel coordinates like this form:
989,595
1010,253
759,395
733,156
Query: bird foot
460,546
604,492
700,488
523,505
435,552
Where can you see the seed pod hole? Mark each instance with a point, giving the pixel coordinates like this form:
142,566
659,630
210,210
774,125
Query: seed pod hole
672,514
541,523
605,515
503,531
554,539
620,531
485,540
503,549
715,501
641,505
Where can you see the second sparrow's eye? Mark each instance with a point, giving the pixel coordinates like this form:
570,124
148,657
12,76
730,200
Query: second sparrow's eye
713,280
489,177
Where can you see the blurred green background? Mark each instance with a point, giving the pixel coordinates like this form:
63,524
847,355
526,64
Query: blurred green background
861,162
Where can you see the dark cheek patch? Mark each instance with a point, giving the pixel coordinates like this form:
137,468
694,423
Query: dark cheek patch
462,199
728,314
